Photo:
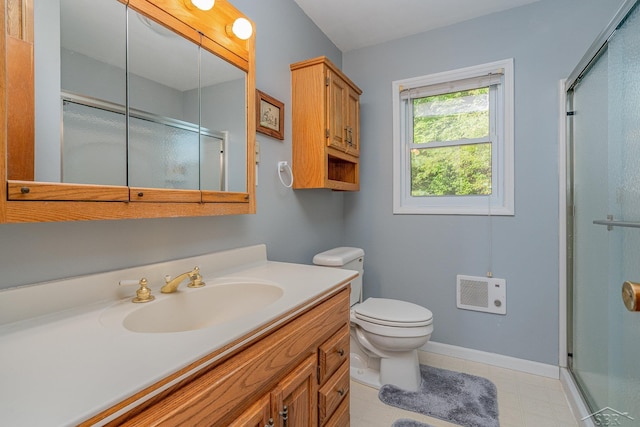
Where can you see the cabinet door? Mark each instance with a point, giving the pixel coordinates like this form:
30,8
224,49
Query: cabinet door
258,415
295,399
336,111
352,125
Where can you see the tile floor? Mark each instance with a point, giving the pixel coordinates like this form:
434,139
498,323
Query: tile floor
524,400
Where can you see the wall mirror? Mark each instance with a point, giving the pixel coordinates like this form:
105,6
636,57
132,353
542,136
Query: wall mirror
135,101
140,105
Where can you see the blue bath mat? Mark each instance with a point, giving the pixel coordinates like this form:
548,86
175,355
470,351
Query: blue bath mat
405,422
460,398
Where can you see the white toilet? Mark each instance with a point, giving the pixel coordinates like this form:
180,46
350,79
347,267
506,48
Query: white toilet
385,333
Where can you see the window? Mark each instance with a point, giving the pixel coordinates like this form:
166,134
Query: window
453,142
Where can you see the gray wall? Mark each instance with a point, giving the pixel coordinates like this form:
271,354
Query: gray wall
417,257
294,225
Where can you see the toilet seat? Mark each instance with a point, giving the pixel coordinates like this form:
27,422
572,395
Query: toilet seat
393,313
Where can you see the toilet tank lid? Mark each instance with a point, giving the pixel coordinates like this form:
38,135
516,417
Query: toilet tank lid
337,257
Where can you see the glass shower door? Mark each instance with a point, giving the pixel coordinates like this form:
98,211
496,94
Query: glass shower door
605,185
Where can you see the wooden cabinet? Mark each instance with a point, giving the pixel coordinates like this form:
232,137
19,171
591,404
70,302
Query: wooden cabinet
293,365
23,199
326,127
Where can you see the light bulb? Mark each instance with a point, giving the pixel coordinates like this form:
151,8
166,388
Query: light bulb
203,4
242,28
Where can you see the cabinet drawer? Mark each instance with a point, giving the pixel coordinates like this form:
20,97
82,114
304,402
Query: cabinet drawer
333,352
340,417
333,393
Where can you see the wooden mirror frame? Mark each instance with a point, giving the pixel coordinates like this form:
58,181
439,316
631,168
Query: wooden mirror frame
25,200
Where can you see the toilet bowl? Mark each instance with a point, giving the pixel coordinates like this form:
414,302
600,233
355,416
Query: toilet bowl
385,333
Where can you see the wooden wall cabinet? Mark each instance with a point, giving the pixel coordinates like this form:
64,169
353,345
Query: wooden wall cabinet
22,199
326,126
303,365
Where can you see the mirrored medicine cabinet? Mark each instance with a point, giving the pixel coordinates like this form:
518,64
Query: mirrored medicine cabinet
126,109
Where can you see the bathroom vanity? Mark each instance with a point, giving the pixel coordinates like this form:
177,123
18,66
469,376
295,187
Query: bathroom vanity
72,356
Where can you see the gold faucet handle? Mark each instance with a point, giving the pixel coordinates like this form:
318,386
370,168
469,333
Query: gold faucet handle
143,294
195,278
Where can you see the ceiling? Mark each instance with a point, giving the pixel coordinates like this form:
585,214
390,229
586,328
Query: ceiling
353,24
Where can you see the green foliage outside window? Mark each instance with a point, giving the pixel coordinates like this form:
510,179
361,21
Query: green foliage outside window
461,170
456,170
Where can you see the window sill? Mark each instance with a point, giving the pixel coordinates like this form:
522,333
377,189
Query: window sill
453,210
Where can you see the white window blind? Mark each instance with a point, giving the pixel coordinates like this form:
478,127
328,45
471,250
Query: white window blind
494,78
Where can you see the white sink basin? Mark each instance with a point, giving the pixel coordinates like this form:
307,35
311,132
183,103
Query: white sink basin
191,309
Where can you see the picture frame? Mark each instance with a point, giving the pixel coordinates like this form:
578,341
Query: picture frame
269,115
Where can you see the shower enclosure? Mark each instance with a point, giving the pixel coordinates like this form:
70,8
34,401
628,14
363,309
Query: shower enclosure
603,223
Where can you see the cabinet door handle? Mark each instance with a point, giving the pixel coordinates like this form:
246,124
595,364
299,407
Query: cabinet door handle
270,423
285,415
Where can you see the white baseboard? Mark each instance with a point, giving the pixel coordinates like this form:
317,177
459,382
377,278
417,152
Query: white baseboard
493,359
578,407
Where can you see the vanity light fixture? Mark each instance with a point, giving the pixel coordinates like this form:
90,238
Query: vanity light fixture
200,4
241,28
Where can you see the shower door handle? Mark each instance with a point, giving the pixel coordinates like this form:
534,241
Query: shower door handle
610,223
631,295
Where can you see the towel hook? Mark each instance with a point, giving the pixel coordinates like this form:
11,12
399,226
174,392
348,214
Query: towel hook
282,167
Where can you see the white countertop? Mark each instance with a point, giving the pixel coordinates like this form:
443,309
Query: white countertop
64,367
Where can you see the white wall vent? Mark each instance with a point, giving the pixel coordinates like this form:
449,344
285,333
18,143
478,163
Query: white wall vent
481,294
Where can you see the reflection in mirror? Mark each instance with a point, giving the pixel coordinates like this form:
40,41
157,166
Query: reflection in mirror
78,51
93,142
186,123
162,69
223,106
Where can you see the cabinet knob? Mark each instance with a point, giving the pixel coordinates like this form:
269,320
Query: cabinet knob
270,423
340,352
341,392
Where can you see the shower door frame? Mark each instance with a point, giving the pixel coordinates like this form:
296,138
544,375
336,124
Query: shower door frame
565,211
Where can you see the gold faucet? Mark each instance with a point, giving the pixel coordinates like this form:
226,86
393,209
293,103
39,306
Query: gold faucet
195,281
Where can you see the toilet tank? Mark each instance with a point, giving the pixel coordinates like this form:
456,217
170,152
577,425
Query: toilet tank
347,258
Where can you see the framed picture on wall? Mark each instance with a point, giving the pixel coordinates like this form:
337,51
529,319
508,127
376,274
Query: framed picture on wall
270,115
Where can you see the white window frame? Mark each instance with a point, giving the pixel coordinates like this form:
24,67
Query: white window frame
501,201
